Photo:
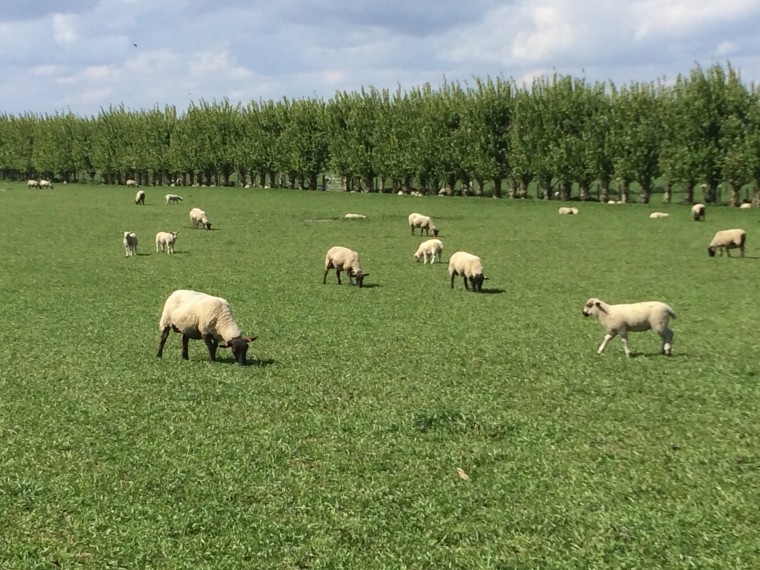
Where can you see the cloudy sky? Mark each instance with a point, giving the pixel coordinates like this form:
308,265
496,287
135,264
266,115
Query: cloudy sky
83,55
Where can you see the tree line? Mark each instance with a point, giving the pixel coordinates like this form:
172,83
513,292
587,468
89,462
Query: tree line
560,134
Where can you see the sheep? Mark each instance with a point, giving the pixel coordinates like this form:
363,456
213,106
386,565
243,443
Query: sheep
132,183
341,258
165,241
658,215
726,240
140,198
32,183
173,198
197,315
469,267
198,218
130,243
698,212
565,211
350,216
424,223
633,317
745,205
431,247
45,184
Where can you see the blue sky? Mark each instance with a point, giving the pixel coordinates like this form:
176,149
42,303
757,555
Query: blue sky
83,55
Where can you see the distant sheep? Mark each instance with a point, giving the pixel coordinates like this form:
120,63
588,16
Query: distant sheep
173,198
340,259
422,222
698,212
633,317
354,216
45,184
165,241
198,218
469,267
658,215
432,248
726,240
140,198
200,316
565,211
132,183
130,243
32,183
745,205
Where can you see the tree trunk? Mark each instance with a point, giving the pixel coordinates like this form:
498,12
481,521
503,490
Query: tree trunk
688,193
625,191
496,188
583,190
565,190
646,192
756,200
512,187
711,194
736,190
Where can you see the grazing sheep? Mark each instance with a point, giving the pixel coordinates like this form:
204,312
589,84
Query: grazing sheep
130,243
469,267
633,317
200,316
46,184
140,198
431,247
342,258
745,205
32,183
132,183
424,223
658,215
354,217
173,198
698,212
565,211
198,218
165,241
726,240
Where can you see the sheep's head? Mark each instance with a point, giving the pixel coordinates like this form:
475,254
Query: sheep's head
239,348
477,282
358,277
207,225
592,307
417,257
711,251
434,230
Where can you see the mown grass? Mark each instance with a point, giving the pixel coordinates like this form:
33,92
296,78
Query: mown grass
338,447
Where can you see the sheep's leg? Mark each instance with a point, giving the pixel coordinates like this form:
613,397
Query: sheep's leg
466,286
413,230
607,338
667,342
212,345
185,341
324,279
624,340
162,342
337,274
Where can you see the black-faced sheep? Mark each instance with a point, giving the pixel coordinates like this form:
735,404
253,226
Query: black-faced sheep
199,219
197,315
698,212
140,198
129,240
633,317
424,223
469,267
341,258
726,240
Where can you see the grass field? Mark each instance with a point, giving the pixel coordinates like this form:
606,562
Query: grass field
339,446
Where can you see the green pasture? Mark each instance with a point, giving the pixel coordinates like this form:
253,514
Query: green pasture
339,446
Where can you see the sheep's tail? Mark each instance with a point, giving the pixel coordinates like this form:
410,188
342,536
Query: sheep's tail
671,312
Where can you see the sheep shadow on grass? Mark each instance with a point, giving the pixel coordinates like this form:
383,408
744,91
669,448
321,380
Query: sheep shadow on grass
493,291
658,355
252,362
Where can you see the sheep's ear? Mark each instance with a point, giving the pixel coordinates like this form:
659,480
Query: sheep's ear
250,338
599,306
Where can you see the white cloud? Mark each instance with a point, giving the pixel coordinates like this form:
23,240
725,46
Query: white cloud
64,29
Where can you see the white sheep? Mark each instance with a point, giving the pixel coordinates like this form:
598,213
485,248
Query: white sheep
165,241
173,198
469,267
350,216
745,205
32,183
130,243
197,315
132,183
424,223
341,258
565,211
431,247
45,184
140,198
658,215
633,317
726,240
198,218
698,212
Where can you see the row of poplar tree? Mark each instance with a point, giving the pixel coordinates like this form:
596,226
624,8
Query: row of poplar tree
562,133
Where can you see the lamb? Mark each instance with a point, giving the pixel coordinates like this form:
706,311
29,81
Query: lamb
469,267
698,212
341,258
165,242
173,198
132,183
565,211
431,247
32,183
197,315
140,198
633,317
658,215
198,218
130,243
422,222
726,240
